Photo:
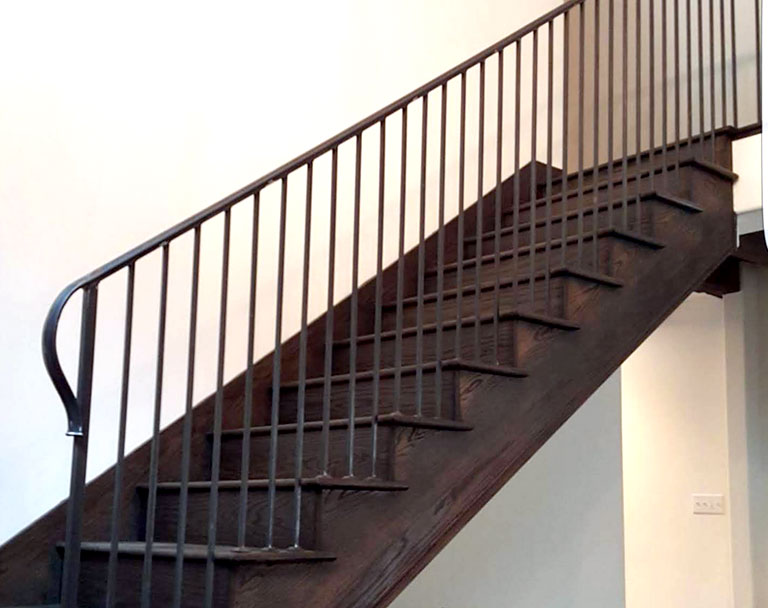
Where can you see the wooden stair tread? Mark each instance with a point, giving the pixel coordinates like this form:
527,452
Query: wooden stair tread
364,484
672,200
224,553
392,419
566,270
408,370
468,321
524,249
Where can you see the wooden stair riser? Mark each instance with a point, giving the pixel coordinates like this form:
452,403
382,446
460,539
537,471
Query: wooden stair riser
167,512
313,456
492,349
555,230
576,255
450,383
93,577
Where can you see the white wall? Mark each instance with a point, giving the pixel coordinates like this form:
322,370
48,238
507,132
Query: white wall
675,443
746,339
552,536
118,121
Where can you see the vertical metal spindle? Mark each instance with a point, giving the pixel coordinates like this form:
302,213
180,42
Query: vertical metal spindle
596,134
298,459
564,187
497,210
379,289
401,262
548,209
652,100
723,69
440,257
534,116
149,534
422,261
73,535
479,209
460,223
516,184
276,364
218,409
701,76
186,441
664,109
580,178
245,449
351,404
117,494
624,117
712,110
610,129
734,73
759,60
639,102
328,360
677,82
689,75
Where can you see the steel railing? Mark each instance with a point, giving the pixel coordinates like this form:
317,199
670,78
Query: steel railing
545,70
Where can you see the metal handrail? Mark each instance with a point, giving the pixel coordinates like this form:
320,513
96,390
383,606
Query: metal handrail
50,327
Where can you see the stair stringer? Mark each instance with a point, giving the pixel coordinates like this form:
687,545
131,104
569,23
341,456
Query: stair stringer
382,542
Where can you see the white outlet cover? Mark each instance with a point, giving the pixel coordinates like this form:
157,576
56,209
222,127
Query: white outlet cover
708,504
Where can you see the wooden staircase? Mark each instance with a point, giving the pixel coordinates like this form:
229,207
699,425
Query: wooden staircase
331,471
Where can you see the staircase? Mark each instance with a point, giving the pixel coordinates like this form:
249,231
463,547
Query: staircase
331,471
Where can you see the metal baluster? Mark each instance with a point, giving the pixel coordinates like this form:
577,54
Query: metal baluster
734,73
701,76
564,187
353,312
440,258
712,111
245,449
534,116
420,288
759,59
117,495
664,110
328,369
276,363
379,289
624,111
149,534
723,70
479,209
497,210
550,109
689,84
596,135
516,184
580,178
611,84
401,262
677,84
460,223
638,102
74,531
218,408
299,448
186,441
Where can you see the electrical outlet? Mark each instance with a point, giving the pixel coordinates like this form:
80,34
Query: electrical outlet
708,504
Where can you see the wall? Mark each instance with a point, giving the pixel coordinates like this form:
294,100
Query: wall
746,339
552,536
675,443
117,123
